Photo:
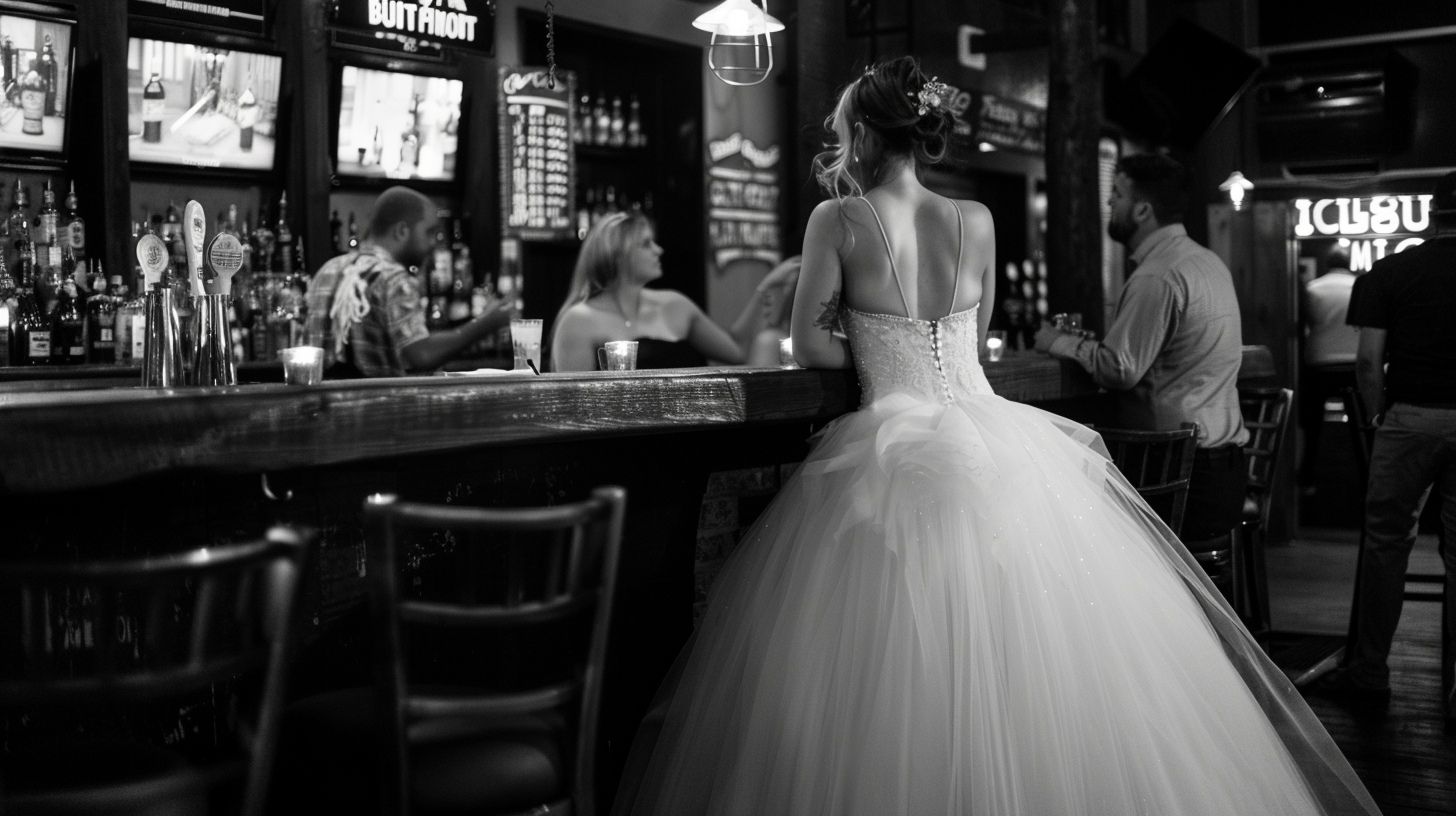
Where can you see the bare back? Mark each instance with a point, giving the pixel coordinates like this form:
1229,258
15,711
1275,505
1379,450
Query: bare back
914,254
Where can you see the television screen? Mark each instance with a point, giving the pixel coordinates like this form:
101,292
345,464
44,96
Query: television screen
202,106
36,71
394,125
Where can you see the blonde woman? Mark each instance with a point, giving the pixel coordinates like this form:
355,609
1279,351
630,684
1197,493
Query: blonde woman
609,301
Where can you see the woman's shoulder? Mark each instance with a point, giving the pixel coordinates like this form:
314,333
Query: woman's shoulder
669,299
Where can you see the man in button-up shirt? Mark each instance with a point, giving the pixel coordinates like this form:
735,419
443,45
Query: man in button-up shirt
1175,345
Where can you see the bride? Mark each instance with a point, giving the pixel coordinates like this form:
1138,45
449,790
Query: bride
957,606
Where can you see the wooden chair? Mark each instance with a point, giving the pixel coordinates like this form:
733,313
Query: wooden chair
1158,464
1362,439
121,640
1266,416
487,671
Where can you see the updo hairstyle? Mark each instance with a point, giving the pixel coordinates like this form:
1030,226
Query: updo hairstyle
877,120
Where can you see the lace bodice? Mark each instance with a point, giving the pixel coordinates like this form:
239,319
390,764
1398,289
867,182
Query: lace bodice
928,359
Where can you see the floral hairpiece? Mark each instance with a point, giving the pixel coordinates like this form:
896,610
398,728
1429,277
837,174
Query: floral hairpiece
933,94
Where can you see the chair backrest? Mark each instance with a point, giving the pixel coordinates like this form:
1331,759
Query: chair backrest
1158,464
116,632
1266,416
525,570
1362,435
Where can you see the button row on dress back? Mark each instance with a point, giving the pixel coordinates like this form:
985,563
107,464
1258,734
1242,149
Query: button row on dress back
935,353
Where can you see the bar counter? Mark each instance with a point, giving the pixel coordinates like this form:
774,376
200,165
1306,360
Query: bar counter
84,438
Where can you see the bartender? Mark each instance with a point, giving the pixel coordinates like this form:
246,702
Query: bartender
365,309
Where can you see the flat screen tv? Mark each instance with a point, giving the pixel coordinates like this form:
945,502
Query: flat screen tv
396,125
202,106
35,68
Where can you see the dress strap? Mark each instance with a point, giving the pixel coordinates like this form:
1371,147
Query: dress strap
960,251
909,312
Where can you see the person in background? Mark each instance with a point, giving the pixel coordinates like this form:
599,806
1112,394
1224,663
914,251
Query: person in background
609,301
1329,354
364,306
1175,344
760,329
1405,368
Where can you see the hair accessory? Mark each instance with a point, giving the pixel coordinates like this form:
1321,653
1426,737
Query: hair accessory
932,95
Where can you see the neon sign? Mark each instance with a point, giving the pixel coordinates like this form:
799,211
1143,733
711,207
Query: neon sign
1365,224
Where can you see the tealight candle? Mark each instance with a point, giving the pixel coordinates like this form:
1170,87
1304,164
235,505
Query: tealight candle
995,345
786,353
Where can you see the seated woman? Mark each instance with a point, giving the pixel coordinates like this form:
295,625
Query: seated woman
608,301
762,328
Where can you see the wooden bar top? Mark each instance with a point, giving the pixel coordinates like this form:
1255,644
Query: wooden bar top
66,440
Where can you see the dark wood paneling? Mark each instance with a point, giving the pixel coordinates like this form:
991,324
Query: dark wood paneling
98,162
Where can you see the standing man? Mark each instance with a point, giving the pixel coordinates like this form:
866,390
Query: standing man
1405,369
1175,345
364,306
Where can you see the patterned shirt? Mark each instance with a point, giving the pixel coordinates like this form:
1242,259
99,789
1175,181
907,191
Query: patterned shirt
1176,344
389,317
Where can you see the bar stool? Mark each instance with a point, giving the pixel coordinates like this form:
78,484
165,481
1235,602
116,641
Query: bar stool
122,638
1266,416
1158,464
503,722
1362,438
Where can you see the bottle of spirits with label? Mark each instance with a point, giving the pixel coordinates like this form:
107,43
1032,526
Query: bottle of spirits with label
101,324
32,102
601,121
9,305
48,237
17,223
618,136
73,230
131,322
49,73
284,238
154,101
247,118
68,328
32,329
635,136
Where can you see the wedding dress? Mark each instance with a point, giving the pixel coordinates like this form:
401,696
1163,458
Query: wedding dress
958,606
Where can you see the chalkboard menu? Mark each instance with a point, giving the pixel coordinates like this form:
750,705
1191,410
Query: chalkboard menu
538,167
743,201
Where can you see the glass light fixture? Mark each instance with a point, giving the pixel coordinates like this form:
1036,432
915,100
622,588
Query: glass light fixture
740,52
1237,188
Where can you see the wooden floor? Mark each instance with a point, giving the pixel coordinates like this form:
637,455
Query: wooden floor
1406,755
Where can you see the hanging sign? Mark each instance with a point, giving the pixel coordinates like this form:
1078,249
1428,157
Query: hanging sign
233,16
1373,227
417,28
743,201
538,165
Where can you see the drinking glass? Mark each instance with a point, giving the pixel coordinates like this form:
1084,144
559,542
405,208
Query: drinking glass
526,342
995,345
786,353
618,355
302,365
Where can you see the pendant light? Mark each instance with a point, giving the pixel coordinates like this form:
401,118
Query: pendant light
736,54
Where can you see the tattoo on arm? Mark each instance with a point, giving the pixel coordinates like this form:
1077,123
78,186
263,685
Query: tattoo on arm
828,319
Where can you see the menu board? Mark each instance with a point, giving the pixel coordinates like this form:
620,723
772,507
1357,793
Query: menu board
538,167
743,201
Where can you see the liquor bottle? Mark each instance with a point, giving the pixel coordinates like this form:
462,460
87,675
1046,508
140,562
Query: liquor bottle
9,304
463,279
48,231
68,329
7,61
32,329
17,224
376,149
247,118
73,229
32,102
131,323
101,325
263,240
154,100
618,136
335,239
353,234
601,121
635,136
49,73
441,276
409,141
284,237
581,133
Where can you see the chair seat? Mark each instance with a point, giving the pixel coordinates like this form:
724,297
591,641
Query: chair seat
102,776
328,760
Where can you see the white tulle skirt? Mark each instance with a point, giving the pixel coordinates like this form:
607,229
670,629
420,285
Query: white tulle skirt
963,609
